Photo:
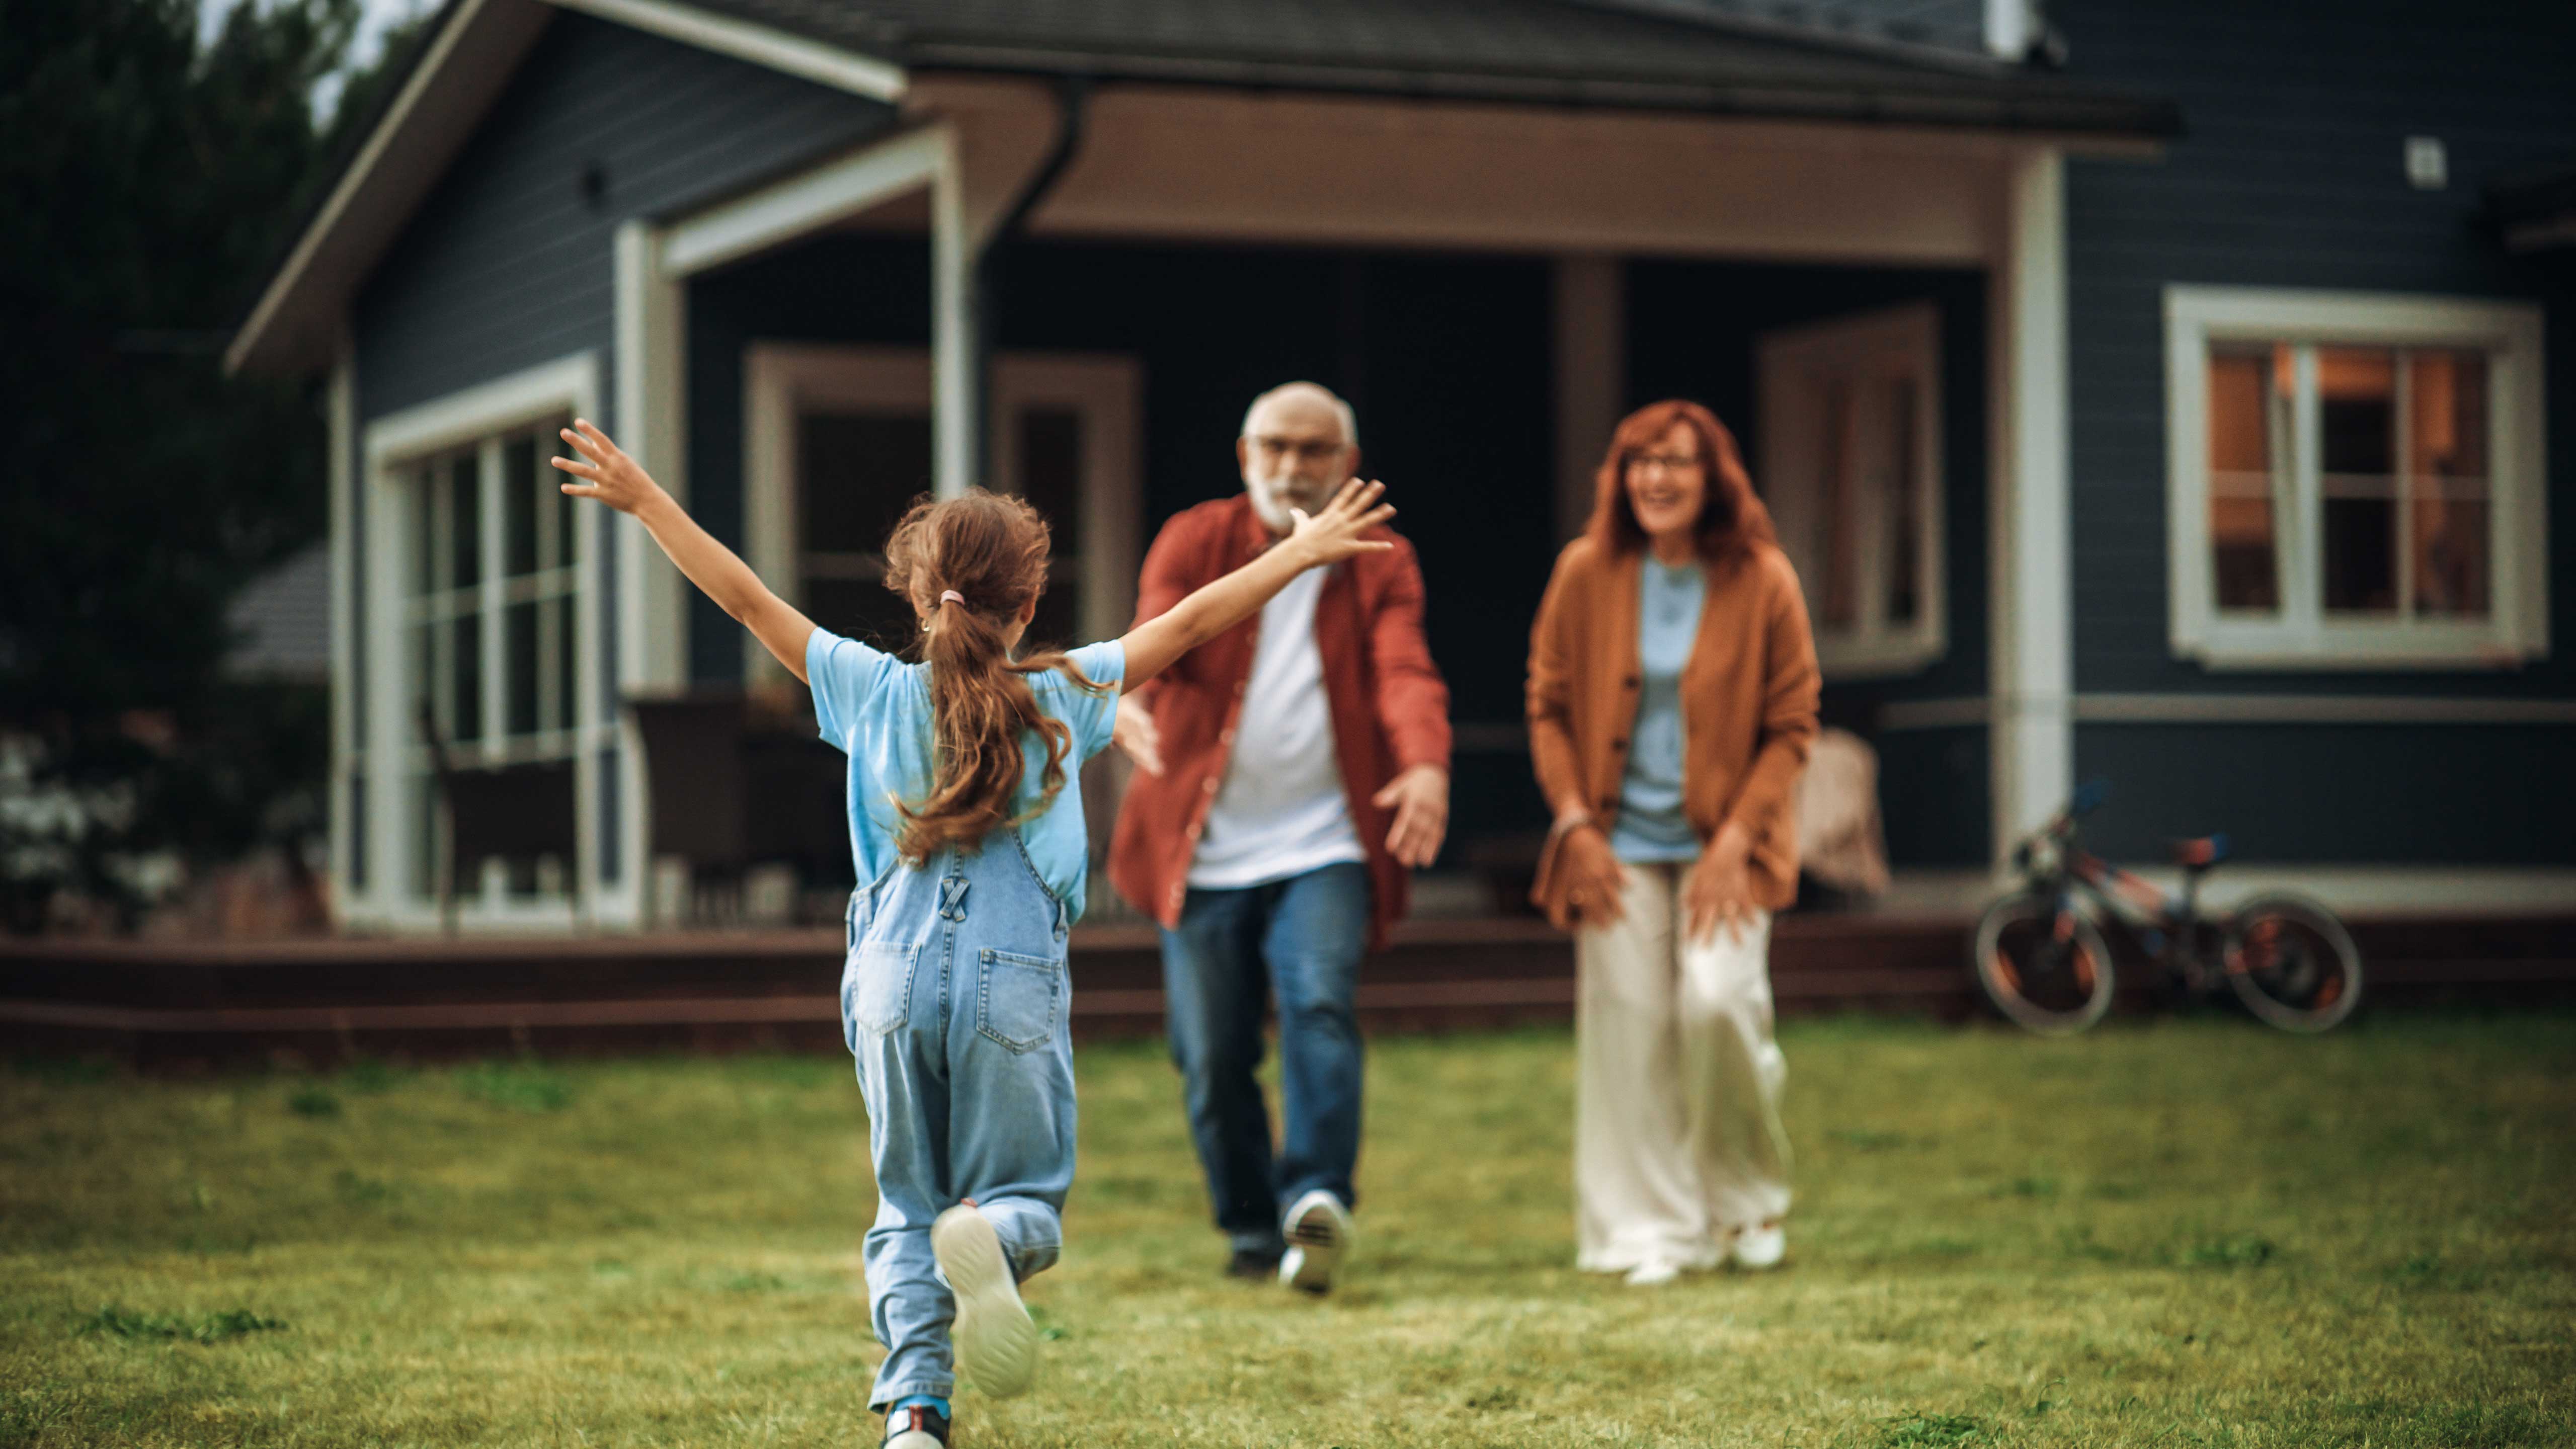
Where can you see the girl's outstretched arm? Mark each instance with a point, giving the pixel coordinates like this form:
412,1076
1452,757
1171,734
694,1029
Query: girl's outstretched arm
620,482
1329,537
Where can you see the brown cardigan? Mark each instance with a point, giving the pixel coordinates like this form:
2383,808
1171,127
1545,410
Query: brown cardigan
1748,697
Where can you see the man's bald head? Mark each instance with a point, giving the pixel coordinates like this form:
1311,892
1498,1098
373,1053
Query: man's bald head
1299,444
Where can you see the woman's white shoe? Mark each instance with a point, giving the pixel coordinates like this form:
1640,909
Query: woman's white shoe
1654,1273
1760,1247
997,1343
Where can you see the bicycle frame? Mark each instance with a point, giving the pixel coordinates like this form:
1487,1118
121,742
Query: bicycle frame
2160,921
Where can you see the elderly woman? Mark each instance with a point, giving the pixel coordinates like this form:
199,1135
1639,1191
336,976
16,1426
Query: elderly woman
1672,698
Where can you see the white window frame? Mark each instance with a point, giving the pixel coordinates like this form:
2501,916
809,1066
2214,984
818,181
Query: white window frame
2304,635
780,380
1904,340
393,447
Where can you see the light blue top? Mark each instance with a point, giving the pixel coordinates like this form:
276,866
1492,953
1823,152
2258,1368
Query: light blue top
876,709
1651,826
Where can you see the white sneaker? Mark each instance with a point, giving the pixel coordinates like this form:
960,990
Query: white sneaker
1760,1247
1318,1229
997,1344
1654,1273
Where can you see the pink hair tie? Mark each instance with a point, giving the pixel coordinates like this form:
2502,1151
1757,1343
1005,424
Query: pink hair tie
951,596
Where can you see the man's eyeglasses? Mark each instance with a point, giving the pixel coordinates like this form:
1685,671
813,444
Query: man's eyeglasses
1664,462
1309,451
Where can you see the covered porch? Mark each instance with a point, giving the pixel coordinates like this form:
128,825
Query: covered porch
1068,282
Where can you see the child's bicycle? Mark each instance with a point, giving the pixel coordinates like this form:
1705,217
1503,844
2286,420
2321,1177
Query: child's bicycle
2040,958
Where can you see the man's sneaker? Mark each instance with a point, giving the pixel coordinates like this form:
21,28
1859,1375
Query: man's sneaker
1319,1234
997,1345
918,1427
1760,1247
1253,1264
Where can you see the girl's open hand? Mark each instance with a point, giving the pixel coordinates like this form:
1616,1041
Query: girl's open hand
607,473
1335,534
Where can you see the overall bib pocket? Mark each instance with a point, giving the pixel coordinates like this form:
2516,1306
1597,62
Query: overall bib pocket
1018,999
876,987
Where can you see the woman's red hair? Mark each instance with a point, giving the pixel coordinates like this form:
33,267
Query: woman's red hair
1731,519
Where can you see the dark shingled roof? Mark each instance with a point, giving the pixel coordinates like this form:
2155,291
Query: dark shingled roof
1693,55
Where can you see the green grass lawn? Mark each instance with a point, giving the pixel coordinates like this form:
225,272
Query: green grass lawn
2193,1232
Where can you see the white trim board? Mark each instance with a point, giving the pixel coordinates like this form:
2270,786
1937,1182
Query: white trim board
2358,892
1970,711
2300,635
807,201
758,44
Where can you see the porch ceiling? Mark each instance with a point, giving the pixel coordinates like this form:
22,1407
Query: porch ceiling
1632,54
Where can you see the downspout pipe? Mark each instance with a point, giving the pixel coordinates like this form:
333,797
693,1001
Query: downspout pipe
1073,105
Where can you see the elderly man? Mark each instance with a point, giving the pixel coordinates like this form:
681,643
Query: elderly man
1290,772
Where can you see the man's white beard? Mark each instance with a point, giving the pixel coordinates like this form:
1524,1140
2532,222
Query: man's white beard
1272,498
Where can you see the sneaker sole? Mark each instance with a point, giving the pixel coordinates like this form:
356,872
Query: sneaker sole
997,1342
1314,1252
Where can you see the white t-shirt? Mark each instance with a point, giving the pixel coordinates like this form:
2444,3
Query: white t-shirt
1280,811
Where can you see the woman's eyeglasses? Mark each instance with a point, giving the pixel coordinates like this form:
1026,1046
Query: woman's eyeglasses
1663,462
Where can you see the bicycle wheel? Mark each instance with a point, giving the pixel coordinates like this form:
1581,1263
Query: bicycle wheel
2292,963
2044,968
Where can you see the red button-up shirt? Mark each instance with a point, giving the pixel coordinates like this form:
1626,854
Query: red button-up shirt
1388,704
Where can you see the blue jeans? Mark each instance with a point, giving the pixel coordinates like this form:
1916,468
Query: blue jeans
1301,938
953,1001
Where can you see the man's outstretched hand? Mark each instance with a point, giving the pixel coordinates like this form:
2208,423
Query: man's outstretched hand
1420,799
1135,735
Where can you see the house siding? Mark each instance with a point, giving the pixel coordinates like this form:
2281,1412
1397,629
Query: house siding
509,262
2291,176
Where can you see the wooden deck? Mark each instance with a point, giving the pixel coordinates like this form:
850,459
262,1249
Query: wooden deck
177,1003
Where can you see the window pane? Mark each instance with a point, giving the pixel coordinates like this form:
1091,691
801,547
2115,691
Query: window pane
1051,472
427,492
568,510
519,630
863,610
420,657
2447,483
465,670
1839,544
465,522
1904,528
857,472
566,615
521,504
2243,401
2357,455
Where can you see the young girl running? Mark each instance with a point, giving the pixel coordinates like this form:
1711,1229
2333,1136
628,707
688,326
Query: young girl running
966,821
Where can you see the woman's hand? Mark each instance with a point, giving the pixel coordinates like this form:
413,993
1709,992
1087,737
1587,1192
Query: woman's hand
1335,533
612,477
1596,885
1719,890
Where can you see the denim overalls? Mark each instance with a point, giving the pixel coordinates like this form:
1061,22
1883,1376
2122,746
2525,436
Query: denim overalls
954,1000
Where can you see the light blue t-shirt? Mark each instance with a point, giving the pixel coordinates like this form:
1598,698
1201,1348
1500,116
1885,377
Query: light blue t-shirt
1651,826
876,709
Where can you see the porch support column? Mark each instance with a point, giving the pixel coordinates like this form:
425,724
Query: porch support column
1591,335
2033,734
956,343
347,830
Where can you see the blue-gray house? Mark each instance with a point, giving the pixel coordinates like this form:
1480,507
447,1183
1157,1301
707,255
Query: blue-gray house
2156,389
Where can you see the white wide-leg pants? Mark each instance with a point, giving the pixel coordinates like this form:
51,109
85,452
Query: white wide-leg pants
1677,1140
